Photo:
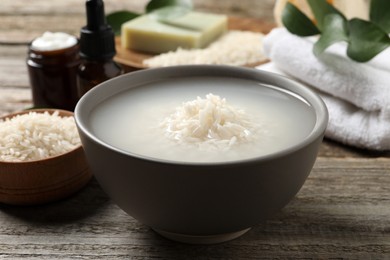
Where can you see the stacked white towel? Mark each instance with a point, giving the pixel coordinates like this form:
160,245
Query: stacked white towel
357,94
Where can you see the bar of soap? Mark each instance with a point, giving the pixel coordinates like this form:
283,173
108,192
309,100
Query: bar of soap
148,33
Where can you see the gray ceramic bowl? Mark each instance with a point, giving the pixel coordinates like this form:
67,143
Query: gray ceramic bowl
199,202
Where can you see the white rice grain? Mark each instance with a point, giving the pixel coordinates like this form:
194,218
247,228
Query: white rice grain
234,48
35,136
210,123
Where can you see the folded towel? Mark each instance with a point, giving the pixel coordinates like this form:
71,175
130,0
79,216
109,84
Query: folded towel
357,94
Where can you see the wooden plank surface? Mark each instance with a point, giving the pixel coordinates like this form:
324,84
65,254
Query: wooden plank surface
342,211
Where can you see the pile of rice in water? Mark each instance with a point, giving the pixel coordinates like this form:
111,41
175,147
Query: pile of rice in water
35,136
234,48
209,123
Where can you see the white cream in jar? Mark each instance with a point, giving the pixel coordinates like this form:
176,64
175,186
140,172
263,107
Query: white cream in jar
50,41
52,62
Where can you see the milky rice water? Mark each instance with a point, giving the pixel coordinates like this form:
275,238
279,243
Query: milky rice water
203,119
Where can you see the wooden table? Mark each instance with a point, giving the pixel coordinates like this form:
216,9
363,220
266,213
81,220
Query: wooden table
342,211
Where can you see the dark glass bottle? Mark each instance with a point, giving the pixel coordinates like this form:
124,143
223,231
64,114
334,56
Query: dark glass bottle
97,50
92,73
52,77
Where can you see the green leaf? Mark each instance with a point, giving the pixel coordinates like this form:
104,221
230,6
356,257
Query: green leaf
297,22
320,9
366,40
157,4
380,14
334,30
116,19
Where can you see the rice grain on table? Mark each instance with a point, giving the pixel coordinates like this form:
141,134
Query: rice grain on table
234,48
35,136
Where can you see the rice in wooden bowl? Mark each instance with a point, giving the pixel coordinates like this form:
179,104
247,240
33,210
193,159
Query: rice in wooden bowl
41,157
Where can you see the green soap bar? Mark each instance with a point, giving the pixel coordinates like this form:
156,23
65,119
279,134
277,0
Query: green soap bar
191,30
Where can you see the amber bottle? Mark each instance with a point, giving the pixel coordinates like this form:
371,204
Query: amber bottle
97,50
52,77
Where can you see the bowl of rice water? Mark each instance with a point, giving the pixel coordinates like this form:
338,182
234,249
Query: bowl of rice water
41,157
201,153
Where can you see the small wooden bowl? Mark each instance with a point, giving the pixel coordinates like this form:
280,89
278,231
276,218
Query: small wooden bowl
42,181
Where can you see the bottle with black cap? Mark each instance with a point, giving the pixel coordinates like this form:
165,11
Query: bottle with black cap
97,49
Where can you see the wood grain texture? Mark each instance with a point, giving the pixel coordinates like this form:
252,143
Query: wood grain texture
21,21
342,211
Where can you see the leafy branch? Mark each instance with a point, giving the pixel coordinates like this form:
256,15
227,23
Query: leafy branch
365,39
116,19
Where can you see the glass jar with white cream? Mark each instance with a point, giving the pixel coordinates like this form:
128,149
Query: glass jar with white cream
52,62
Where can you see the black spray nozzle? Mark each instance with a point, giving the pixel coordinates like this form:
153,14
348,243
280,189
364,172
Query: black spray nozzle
97,39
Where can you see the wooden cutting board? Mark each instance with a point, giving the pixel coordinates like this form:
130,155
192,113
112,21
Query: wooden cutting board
133,60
